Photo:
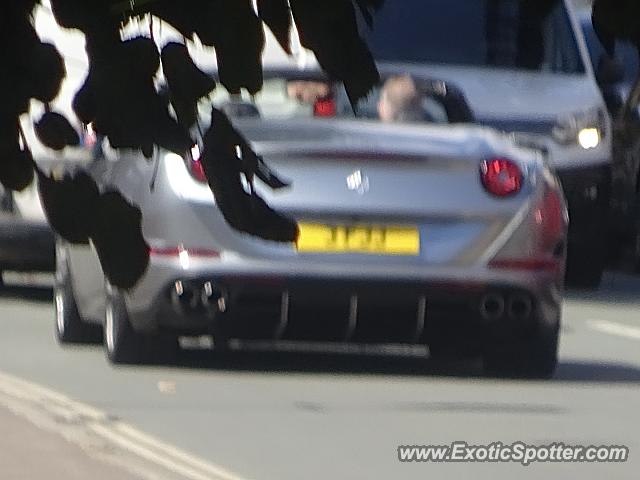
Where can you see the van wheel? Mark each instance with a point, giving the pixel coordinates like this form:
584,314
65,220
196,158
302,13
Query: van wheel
535,357
636,236
586,265
587,256
70,327
123,345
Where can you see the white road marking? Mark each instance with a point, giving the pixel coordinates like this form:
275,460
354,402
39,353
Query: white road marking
45,407
167,387
617,329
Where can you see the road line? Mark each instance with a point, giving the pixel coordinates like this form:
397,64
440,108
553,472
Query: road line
617,329
26,398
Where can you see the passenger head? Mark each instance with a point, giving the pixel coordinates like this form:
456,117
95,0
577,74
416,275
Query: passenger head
400,101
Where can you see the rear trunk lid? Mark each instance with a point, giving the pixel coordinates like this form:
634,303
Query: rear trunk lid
360,174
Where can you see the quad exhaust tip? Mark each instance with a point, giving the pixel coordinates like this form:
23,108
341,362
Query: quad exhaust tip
519,307
188,297
495,306
492,307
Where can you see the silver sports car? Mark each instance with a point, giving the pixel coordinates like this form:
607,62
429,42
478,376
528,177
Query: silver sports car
439,233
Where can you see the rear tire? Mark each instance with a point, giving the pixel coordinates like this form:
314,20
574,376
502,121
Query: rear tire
124,345
535,357
70,328
636,236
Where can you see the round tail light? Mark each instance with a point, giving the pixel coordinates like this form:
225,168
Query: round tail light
195,165
501,177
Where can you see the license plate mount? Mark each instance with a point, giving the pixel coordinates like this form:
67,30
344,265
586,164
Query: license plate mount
401,240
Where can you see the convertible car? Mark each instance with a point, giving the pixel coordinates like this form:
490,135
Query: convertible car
438,233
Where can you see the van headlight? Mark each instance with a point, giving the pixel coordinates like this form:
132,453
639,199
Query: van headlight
586,129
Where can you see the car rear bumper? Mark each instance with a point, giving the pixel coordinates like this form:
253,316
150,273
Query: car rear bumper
368,306
26,245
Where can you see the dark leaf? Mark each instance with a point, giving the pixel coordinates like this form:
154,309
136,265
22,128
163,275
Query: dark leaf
47,71
118,240
16,165
277,15
186,82
330,30
368,8
85,103
142,56
55,131
244,211
70,205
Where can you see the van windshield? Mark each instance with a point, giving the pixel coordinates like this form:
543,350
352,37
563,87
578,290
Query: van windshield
516,34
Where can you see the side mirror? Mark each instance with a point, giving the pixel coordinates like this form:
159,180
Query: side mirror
610,71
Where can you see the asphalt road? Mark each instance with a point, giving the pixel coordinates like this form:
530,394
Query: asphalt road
324,416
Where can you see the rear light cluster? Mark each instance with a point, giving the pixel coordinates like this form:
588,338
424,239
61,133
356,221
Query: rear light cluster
501,177
547,243
550,216
325,107
195,165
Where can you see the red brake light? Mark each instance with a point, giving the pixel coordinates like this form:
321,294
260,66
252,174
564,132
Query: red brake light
197,171
195,165
501,177
325,107
550,216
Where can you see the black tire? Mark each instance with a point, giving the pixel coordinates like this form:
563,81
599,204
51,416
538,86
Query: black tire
587,254
636,236
70,328
124,345
535,357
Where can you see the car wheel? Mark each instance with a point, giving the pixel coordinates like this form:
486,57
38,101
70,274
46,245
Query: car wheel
69,326
535,357
123,345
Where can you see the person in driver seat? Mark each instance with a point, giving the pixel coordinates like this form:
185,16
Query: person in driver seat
401,101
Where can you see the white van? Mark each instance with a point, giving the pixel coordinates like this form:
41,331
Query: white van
524,67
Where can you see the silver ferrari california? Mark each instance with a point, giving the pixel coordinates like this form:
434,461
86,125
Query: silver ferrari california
428,231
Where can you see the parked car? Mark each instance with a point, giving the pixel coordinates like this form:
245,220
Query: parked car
523,69
616,77
448,235
26,242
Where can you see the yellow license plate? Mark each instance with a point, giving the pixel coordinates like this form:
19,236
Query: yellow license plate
380,240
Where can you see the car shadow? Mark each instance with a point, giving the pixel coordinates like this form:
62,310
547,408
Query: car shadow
596,372
616,287
286,362
318,363
42,294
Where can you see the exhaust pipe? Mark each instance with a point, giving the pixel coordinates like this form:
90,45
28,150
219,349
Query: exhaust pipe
185,297
213,297
492,307
519,307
